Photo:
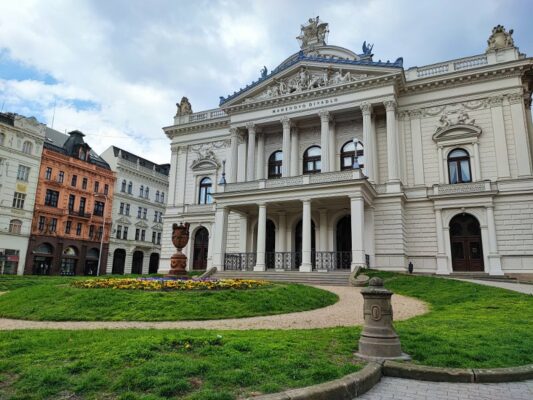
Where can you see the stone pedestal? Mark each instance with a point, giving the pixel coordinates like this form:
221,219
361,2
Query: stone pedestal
378,340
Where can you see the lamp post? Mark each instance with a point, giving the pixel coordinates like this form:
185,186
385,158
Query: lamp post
355,156
102,235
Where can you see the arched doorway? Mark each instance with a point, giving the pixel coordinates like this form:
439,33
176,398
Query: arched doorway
153,266
69,261
200,248
270,245
91,261
42,261
298,244
465,239
119,260
344,242
137,262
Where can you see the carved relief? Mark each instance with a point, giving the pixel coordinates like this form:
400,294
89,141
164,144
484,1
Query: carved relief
500,38
455,118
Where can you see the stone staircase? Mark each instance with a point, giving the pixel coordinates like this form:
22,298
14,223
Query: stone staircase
333,278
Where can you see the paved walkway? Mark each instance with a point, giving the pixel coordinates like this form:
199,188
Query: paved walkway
348,311
407,389
517,287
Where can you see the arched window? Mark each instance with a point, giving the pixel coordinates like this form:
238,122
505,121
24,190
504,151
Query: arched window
123,187
2,139
27,147
312,163
459,166
157,195
141,191
15,226
146,192
162,197
130,188
348,153
204,195
275,161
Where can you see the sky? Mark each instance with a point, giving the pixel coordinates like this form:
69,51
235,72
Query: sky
115,69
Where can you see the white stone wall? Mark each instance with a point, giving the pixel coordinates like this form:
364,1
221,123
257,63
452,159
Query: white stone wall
421,235
389,233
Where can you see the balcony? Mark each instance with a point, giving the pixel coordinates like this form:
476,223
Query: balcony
79,214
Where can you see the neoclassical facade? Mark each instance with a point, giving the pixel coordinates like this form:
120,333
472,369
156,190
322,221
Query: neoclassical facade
334,160
138,208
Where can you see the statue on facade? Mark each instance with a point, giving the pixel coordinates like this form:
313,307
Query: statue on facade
178,261
367,48
313,33
264,72
500,38
184,107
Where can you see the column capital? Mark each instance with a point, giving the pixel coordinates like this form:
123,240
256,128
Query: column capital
324,115
261,204
495,101
366,108
306,200
251,127
286,122
390,104
234,131
516,98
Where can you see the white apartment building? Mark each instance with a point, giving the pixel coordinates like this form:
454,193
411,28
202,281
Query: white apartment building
21,146
333,160
138,208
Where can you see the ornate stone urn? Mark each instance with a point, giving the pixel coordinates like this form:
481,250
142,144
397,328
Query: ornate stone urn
180,238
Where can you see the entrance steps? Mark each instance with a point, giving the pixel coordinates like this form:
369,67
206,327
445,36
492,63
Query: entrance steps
333,278
483,276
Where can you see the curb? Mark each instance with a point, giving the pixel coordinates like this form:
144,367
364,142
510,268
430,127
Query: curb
465,375
345,388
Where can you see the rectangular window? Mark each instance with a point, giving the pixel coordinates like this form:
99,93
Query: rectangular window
74,180
137,233
61,177
51,198
155,216
78,229
84,184
71,200
23,173
42,223
145,213
139,212
106,188
53,224
96,186
119,231
68,226
121,209
48,174
158,237
99,208
128,210
160,219
99,235
82,206
125,234
153,237
143,235
91,231
18,200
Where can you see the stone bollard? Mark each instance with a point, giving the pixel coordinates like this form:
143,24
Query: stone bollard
378,340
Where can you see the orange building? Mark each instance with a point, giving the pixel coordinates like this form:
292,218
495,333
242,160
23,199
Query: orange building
73,206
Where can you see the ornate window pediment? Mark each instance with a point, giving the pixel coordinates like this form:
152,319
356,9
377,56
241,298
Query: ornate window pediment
141,224
157,227
205,161
456,126
123,221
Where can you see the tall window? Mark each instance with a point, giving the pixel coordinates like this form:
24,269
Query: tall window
125,233
53,224
2,139
123,186
137,233
51,198
98,208
27,147
48,174
61,177
130,187
84,183
127,210
204,195
139,212
143,235
68,227
18,200
78,229
312,160
23,173
162,197
348,153
15,226
74,180
119,231
42,223
141,191
121,209
459,166
158,237
82,205
91,231
145,213
153,236
71,200
275,162
146,192
106,188
96,186
157,195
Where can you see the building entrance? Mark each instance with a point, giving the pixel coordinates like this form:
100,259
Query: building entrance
465,239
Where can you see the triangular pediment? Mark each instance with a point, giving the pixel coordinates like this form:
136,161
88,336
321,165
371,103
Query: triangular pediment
141,224
157,227
123,221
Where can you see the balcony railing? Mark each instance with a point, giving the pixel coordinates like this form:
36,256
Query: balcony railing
446,67
239,261
290,260
81,214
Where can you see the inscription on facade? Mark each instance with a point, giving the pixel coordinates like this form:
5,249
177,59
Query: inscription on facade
305,106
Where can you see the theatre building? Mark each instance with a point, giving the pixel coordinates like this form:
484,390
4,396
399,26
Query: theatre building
333,160
72,215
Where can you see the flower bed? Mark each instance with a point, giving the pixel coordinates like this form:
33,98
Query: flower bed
168,284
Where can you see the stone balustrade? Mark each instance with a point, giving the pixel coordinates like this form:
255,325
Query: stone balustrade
446,67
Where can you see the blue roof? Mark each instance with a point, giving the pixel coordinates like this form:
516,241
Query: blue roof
300,56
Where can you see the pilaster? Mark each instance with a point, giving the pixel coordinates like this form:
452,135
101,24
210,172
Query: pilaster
250,161
520,130
285,167
500,142
324,139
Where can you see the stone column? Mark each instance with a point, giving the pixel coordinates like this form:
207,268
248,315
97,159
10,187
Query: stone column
392,142
260,165
416,147
477,162
520,130
285,167
306,266
220,231
368,141
374,154
495,266
172,179
357,210
323,245
243,229
250,160
233,153
442,259
529,121
242,150
295,156
441,163
282,232
261,238
324,139
500,141
181,178
332,146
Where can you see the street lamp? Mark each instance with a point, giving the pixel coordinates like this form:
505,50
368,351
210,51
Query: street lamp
102,235
355,156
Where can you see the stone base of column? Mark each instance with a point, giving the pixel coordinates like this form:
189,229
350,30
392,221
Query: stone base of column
495,265
260,267
442,265
307,267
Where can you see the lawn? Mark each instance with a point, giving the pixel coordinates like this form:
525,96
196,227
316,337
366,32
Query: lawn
467,326
54,299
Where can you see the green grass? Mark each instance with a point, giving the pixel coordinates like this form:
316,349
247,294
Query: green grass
53,299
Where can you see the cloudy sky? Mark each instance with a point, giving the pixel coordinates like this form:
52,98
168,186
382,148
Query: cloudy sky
114,69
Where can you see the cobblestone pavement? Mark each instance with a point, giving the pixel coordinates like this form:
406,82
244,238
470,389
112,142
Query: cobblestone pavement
517,287
408,389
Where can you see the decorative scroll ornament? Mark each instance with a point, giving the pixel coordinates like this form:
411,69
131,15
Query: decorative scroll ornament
500,38
184,107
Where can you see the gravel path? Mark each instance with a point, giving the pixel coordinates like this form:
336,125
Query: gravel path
348,311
